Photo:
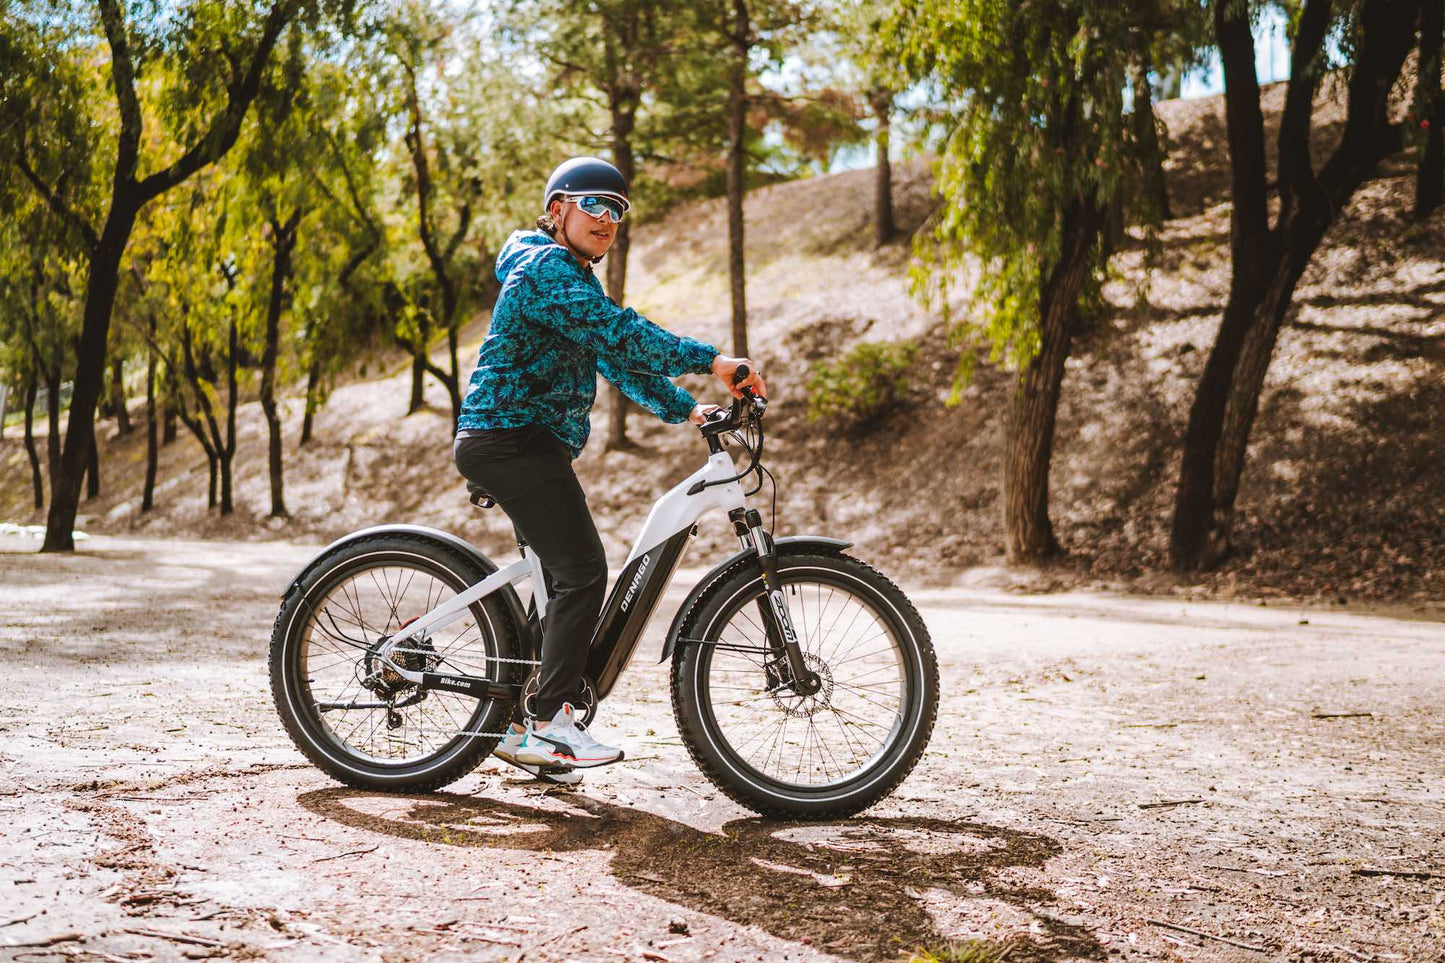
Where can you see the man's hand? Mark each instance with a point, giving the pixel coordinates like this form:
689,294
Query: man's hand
724,368
700,413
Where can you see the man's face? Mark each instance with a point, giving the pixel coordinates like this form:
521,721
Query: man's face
588,236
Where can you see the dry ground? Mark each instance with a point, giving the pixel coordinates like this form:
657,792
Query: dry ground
1103,765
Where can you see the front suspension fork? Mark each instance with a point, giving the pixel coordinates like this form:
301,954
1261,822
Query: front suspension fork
787,667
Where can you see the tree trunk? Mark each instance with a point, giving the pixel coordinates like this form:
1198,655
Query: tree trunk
313,383
740,39
1154,184
1268,261
418,374
100,291
147,499
1029,443
883,224
227,451
223,459
168,422
1199,536
451,380
439,255
283,240
1430,109
117,396
209,434
35,477
52,423
1242,402
92,467
454,380
622,120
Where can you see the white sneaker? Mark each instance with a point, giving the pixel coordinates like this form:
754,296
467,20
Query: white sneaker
506,750
507,746
562,742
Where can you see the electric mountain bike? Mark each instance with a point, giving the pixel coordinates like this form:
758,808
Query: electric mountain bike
803,680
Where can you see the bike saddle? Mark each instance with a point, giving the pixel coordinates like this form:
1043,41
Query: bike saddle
479,496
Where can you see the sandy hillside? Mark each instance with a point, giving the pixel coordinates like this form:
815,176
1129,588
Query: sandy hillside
1340,501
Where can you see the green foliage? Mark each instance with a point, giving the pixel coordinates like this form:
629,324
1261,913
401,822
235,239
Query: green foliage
502,91
42,276
1034,128
965,951
863,384
45,132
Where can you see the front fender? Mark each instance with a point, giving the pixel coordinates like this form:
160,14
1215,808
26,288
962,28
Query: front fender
447,539
790,545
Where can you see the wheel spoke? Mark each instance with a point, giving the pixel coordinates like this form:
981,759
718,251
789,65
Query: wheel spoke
832,654
782,735
342,629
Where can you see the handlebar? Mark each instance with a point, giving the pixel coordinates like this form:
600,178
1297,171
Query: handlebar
747,410
751,404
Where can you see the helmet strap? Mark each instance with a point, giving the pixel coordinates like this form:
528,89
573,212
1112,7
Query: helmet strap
561,229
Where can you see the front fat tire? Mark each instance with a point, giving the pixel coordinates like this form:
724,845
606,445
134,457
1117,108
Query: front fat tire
305,729
703,620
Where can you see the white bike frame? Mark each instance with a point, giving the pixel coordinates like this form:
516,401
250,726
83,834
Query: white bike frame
647,573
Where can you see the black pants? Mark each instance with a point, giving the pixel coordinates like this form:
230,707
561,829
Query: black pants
529,473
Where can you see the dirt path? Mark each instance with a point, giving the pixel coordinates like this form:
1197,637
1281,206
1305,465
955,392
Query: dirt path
1101,766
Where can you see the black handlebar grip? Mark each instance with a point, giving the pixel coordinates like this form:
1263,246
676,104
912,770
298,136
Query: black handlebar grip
741,374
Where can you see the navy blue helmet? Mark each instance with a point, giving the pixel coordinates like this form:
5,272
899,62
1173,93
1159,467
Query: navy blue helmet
586,175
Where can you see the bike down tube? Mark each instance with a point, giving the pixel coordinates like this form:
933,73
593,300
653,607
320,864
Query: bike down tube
650,566
629,607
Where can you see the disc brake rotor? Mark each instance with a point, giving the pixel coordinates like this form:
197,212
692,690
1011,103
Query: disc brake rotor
795,705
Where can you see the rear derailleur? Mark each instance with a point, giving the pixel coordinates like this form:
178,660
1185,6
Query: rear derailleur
381,678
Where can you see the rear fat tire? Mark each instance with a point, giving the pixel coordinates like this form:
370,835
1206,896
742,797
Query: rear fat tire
464,753
710,750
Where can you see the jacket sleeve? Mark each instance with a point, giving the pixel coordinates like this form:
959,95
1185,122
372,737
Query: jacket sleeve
562,298
653,392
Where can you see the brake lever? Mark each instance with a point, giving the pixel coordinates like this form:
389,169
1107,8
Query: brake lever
729,419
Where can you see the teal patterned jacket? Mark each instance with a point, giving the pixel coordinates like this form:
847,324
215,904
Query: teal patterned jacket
553,331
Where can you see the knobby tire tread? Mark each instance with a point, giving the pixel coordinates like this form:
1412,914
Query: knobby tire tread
721,780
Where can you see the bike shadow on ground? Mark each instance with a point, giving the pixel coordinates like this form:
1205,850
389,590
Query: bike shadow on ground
854,888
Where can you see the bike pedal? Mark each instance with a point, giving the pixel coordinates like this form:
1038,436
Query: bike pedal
561,775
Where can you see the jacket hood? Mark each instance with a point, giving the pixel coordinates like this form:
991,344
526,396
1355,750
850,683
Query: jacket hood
518,247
